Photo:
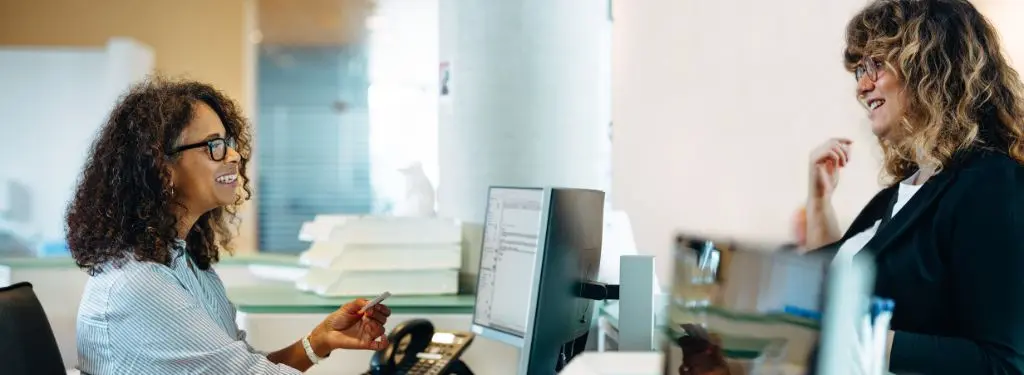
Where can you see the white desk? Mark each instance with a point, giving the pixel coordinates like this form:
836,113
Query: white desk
615,363
275,317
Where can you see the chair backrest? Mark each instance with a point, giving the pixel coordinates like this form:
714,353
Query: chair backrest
27,344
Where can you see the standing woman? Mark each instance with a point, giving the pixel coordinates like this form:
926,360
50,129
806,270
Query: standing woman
947,234
148,222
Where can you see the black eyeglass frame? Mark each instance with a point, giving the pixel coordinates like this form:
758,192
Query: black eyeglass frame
870,67
210,144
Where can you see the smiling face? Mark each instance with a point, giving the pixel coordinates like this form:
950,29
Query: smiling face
881,92
205,171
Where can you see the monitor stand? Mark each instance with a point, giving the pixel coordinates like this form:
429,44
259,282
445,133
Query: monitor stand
457,367
570,350
636,295
591,290
637,272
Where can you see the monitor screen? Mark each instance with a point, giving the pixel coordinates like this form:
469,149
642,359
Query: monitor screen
512,230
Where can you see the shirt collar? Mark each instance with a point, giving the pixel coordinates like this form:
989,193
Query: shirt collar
178,248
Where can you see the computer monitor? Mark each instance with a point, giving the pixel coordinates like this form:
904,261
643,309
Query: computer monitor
539,245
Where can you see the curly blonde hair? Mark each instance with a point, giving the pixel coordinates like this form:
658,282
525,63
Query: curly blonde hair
961,91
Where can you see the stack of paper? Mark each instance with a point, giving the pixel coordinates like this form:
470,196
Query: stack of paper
367,255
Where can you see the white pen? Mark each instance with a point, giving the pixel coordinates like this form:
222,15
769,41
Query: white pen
374,302
881,333
866,351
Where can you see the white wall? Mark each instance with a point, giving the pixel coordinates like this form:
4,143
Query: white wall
52,102
1006,16
529,103
716,106
403,55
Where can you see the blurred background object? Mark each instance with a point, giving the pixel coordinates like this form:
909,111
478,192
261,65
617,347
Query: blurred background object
15,202
53,101
418,198
345,100
15,220
64,89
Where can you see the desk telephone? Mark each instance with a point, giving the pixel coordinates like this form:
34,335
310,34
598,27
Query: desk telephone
417,349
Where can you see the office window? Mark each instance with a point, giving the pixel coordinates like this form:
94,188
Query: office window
312,140
346,97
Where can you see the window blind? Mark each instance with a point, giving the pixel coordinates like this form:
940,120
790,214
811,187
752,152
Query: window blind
313,139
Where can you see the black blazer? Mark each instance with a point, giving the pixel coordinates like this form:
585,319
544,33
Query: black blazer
953,261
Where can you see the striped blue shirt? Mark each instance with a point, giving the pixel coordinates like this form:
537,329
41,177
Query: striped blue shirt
148,318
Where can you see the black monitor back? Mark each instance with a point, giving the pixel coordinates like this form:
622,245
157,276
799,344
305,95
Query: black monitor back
571,255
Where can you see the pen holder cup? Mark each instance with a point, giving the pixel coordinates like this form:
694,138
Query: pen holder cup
719,319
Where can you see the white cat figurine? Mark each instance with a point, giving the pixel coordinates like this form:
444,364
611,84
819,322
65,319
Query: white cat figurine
418,199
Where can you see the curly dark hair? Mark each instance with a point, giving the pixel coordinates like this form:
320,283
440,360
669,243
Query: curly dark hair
123,205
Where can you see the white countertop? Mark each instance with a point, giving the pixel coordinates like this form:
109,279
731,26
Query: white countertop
615,363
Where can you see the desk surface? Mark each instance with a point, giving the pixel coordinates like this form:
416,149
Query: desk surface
285,299
615,363
225,260
611,312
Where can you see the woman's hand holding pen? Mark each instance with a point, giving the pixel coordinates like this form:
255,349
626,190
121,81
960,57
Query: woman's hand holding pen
351,328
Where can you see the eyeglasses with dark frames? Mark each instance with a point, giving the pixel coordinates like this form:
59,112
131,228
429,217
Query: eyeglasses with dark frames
868,67
216,147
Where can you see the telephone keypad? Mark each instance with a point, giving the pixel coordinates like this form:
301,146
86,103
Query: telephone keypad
434,360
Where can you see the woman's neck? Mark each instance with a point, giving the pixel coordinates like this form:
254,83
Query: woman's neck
924,172
185,223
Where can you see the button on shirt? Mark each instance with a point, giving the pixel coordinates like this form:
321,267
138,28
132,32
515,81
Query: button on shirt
148,318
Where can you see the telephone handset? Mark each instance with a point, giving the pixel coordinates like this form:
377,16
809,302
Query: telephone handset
417,349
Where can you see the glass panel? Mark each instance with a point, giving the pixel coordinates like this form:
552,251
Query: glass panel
346,104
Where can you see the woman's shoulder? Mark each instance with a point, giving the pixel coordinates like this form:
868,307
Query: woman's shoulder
994,165
131,278
985,160
988,178
118,288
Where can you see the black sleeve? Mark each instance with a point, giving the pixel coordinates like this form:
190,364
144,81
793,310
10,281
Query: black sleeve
986,243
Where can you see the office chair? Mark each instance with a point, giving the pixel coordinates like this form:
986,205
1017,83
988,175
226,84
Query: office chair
27,344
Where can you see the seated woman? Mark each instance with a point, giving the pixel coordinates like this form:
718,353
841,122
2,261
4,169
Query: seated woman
148,221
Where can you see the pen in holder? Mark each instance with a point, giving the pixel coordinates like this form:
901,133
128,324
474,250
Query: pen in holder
873,336
740,307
